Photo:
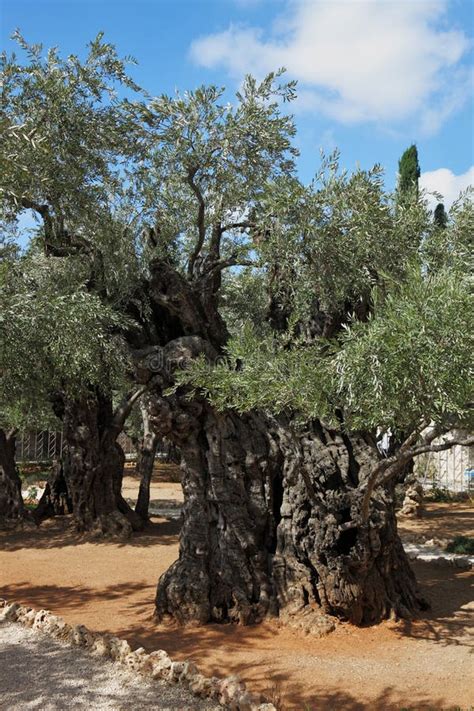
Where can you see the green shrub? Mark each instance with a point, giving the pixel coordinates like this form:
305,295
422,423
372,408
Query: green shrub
461,544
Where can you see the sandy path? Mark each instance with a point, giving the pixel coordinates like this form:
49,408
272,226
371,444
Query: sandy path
111,586
39,673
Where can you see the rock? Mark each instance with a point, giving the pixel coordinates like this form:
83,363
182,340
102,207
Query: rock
119,648
138,661
51,624
247,702
81,636
213,687
182,671
10,612
267,707
198,684
101,646
309,620
231,688
189,672
413,501
160,664
27,617
175,671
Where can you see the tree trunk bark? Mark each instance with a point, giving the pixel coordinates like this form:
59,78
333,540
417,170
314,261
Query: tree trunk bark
55,500
273,519
146,450
272,525
228,537
12,508
326,557
94,468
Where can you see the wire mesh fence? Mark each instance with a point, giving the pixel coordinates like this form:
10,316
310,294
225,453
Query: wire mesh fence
47,446
451,469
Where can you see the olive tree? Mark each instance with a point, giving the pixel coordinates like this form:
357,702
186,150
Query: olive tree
66,135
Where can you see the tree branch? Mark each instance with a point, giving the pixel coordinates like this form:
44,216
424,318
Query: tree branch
200,220
405,454
125,408
75,245
230,262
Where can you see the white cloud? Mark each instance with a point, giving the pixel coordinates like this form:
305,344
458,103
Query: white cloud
445,182
356,60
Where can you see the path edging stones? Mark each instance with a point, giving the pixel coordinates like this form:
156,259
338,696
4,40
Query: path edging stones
230,692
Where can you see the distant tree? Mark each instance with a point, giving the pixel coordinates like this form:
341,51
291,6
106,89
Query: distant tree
440,217
59,345
408,173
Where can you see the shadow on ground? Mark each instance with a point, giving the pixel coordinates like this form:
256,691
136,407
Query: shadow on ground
59,532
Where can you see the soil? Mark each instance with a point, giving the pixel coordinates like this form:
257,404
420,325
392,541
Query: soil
439,521
110,586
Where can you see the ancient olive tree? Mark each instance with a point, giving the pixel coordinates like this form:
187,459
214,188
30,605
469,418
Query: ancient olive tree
406,367
277,511
59,345
65,138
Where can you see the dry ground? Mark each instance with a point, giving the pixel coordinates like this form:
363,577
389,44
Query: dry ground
110,587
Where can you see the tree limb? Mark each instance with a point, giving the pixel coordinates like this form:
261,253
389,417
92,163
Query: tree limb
200,220
125,408
392,465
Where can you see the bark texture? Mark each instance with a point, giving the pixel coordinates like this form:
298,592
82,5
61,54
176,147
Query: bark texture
93,466
146,450
55,500
11,502
272,526
326,556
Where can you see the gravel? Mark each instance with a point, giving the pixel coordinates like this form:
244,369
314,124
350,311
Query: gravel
39,673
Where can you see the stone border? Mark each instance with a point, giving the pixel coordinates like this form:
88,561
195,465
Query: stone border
229,692
437,555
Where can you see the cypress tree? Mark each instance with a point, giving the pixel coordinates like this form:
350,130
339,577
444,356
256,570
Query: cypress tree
408,172
440,217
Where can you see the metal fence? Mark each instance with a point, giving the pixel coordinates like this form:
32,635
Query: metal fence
452,469
45,446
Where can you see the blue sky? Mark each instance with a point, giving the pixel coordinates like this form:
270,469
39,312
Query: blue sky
374,75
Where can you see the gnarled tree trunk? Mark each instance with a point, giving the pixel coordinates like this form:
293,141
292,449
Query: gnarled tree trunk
272,524
224,570
55,500
94,467
274,518
146,450
326,555
12,508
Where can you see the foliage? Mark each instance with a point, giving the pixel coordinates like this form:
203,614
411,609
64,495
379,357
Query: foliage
341,299
55,336
406,366
408,172
409,365
461,544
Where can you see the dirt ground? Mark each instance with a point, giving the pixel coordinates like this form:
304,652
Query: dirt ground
110,587
439,521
